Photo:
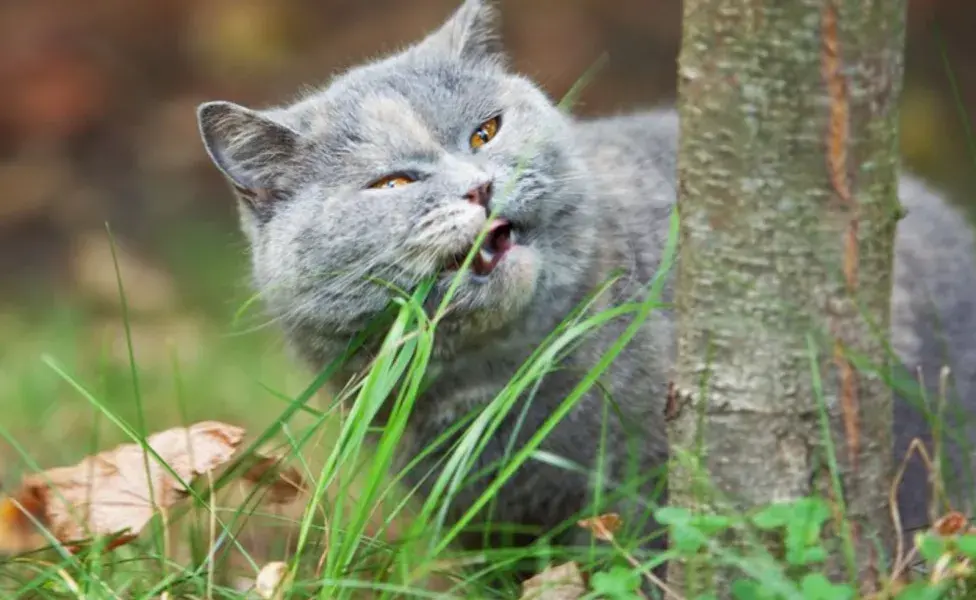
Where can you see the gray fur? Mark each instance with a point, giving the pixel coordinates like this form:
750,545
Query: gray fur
586,198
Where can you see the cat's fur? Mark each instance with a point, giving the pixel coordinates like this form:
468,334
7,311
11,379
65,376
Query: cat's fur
586,197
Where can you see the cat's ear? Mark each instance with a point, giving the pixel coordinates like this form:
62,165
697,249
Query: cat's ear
469,34
256,154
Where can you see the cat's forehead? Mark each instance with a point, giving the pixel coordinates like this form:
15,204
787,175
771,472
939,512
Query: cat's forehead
425,102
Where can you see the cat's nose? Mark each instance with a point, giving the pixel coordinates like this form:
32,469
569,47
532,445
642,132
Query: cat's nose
480,195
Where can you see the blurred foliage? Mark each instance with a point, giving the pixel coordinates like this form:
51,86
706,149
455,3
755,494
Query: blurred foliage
97,117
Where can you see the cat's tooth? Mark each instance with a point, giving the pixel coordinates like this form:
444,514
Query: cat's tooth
486,255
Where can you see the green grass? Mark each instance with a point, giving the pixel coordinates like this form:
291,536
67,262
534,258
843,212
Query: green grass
68,395
59,378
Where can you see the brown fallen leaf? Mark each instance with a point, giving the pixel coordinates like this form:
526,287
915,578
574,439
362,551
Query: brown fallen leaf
17,517
110,493
282,485
953,523
602,527
563,582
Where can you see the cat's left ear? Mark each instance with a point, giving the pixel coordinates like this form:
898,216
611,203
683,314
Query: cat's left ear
469,34
260,157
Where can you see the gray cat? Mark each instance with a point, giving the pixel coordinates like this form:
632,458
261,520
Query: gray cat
391,171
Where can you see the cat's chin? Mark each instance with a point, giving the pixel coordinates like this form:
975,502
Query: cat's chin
484,302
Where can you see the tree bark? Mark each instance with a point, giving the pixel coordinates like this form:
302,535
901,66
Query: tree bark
788,176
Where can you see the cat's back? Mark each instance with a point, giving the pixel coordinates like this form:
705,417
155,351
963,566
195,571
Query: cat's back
631,162
633,152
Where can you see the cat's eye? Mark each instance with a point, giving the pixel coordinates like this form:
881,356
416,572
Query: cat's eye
485,132
392,181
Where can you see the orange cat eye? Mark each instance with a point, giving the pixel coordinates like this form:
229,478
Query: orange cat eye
485,132
392,181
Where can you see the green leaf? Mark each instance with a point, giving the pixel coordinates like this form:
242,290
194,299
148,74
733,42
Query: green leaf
690,532
712,524
814,510
673,515
746,589
773,516
620,583
816,586
930,546
687,539
967,545
807,556
803,531
923,590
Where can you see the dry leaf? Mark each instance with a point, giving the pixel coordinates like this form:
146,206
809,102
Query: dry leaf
602,527
109,493
271,581
282,484
17,517
951,524
564,582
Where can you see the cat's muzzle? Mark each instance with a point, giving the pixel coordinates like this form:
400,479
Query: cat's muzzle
496,244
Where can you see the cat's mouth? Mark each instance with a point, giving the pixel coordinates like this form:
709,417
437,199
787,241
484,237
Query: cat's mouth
497,242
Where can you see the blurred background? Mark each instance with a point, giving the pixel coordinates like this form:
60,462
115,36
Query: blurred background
97,126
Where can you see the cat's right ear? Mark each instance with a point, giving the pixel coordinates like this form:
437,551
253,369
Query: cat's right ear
257,155
471,33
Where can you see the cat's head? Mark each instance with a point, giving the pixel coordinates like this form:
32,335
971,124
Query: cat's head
392,171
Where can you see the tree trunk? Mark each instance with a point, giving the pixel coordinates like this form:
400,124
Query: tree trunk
788,173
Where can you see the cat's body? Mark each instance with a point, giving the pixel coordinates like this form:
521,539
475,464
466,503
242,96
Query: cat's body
631,173
580,199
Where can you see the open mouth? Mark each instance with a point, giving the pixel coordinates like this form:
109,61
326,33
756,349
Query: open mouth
497,242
